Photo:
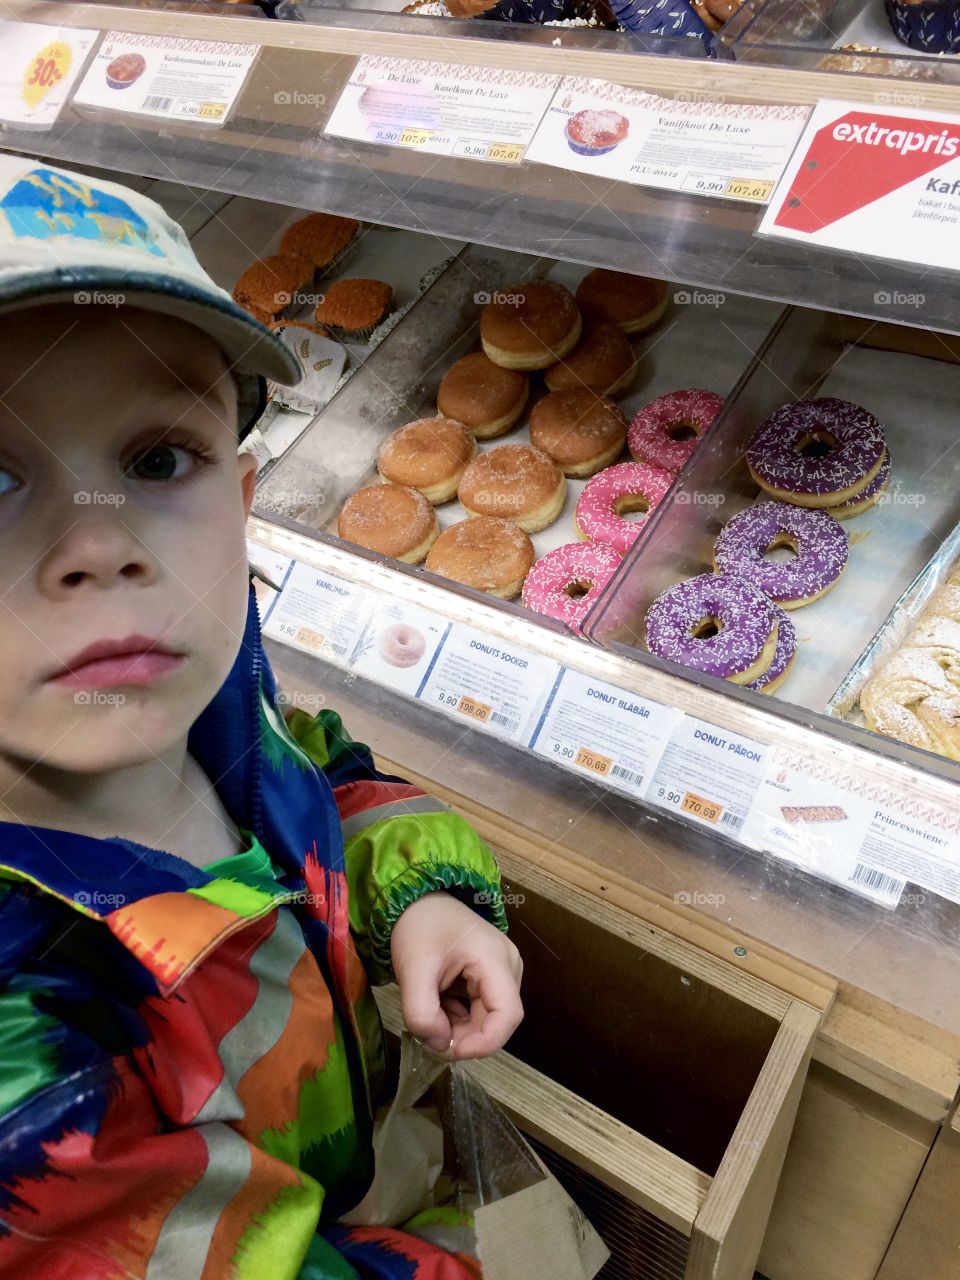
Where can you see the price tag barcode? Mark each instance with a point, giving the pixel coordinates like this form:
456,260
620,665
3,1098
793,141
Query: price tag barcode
629,776
878,883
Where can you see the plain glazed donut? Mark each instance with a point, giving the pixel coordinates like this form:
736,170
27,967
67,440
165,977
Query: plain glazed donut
401,645
566,582
715,624
489,554
817,540
485,398
516,482
817,453
611,495
635,303
391,519
665,432
602,361
430,454
579,430
530,325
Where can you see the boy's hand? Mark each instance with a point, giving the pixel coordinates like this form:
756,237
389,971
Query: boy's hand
441,951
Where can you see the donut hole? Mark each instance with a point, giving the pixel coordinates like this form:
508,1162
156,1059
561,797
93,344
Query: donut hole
578,588
631,506
682,429
707,627
817,444
781,549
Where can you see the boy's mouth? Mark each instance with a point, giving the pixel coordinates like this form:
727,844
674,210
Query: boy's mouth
135,660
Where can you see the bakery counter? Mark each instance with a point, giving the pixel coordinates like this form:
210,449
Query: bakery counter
276,150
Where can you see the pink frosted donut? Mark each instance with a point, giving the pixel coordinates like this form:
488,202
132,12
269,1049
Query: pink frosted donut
665,432
565,583
401,645
629,486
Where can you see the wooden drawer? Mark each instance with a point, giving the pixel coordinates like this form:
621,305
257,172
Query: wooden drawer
659,1083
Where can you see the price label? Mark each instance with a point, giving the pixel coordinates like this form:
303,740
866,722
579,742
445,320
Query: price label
593,761
310,639
709,775
40,64
474,710
701,808
442,108
759,190
167,76
319,614
705,185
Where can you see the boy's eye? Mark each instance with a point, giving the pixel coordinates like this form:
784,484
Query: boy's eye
7,483
162,462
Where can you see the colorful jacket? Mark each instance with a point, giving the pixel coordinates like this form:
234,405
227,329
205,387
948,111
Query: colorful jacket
189,1063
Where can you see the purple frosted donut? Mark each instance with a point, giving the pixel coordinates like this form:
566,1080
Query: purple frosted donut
867,495
565,583
666,431
817,453
716,624
818,541
786,651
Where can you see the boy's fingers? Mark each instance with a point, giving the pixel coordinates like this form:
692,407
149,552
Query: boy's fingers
423,1015
494,1016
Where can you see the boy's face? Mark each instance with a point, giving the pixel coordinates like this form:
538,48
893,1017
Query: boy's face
123,572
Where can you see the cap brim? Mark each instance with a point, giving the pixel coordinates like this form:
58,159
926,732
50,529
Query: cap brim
247,344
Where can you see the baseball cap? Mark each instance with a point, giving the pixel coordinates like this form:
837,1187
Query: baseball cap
65,237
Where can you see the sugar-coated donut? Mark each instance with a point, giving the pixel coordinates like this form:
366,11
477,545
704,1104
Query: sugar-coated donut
488,553
566,582
391,519
868,495
665,432
530,325
611,495
602,361
635,303
430,454
782,663
817,540
517,482
581,431
715,624
483,396
817,453
401,645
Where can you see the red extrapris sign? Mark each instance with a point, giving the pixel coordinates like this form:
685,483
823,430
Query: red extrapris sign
877,183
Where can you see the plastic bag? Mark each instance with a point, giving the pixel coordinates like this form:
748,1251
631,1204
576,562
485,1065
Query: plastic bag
444,1144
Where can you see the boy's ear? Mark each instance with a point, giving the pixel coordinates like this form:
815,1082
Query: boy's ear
248,479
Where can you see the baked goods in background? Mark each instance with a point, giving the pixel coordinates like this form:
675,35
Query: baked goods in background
715,624
488,553
817,541
602,361
430,454
635,303
914,696
579,430
530,325
565,583
321,237
783,657
351,309
665,432
929,26
630,488
268,285
483,396
817,453
517,482
393,520
867,496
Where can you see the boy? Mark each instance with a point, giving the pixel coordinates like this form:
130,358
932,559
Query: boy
191,901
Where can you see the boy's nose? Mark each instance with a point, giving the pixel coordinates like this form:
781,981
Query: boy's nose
96,549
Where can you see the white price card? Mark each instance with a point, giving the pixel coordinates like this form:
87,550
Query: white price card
877,181
318,613
709,775
724,149
399,645
442,108
858,834
38,69
604,732
166,76
496,686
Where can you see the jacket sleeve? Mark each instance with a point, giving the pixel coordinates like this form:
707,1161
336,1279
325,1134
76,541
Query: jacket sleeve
399,842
